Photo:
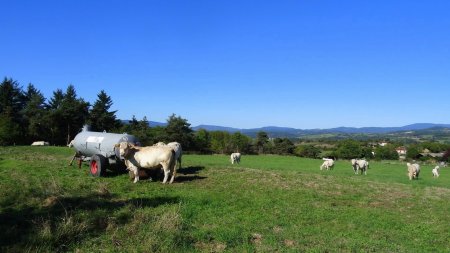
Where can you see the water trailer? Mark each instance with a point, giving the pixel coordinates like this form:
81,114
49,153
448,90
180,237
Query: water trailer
98,148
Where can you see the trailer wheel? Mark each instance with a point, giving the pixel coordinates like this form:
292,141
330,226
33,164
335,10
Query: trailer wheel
98,165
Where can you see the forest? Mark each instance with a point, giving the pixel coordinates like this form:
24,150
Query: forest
27,116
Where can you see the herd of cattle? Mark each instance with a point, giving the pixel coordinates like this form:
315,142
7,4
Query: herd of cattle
362,165
168,157
357,165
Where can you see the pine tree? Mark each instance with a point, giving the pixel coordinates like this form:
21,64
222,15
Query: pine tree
11,104
100,118
35,113
179,130
68,114
53,119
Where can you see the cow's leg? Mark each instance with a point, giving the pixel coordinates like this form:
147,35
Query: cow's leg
166,176
166,172
173,175
135,170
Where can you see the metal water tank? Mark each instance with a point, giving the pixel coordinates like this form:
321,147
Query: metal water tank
99,149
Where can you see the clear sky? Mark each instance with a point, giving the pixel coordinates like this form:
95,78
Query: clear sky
302,64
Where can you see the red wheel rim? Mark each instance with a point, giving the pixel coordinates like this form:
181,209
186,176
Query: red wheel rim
94,167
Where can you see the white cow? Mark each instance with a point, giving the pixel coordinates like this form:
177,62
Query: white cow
148,158
327,164
177,148
360,164
235,158
413,170
435,171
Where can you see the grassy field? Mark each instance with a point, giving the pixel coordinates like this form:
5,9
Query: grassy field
265,204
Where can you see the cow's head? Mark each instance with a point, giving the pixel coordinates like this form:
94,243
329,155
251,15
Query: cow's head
124,148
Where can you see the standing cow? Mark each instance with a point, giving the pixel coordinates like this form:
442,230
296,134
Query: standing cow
235,158
177,148
151,157
413,170
435,171
360,164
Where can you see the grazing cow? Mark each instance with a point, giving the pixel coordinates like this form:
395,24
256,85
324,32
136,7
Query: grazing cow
235,158
360,164
148,158
413,170
435,171
177,148
327,164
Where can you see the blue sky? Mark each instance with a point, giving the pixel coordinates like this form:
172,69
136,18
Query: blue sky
245,64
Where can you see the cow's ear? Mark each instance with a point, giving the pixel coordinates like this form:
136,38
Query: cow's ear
116,145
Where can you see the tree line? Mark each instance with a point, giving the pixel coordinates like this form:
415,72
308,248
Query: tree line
27,116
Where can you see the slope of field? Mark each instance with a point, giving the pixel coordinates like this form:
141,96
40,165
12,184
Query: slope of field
264,204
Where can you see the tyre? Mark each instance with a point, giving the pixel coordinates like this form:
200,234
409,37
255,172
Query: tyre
98,165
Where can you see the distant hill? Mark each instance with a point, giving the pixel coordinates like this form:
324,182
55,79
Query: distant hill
288,132
275,131
216,128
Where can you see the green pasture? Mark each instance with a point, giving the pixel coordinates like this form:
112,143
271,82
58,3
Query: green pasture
264,204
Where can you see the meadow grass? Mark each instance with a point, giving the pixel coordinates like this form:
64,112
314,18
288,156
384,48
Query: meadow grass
264,204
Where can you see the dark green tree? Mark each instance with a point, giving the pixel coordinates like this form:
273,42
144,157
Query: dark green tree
141,131
386,152
179,130
240,143
309,151
35,113
100,118
157,134
220,142
413,152
75,112
54,119
12,101
68,114
349,149
261,141
12,98
202,141
283,146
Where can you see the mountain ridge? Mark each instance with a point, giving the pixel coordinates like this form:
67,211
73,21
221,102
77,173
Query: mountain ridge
342,129
277,131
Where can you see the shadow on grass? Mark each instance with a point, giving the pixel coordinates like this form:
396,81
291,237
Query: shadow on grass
190,170
188,174
69,220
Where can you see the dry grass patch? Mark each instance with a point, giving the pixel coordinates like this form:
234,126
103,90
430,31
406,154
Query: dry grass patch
212,246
